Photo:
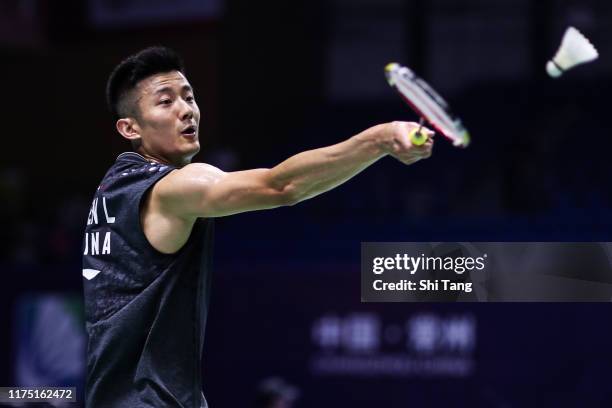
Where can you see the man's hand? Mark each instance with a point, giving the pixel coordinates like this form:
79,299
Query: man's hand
396,142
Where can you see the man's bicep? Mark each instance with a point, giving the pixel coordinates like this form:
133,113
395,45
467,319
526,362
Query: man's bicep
181,191
201,190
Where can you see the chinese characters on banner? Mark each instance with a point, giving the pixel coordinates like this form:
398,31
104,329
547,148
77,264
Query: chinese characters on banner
425,344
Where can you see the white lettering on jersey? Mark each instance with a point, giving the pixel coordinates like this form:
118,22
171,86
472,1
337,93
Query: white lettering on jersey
93,213
92,239
106,248
109,220
95,243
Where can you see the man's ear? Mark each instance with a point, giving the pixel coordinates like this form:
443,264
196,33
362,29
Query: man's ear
128,127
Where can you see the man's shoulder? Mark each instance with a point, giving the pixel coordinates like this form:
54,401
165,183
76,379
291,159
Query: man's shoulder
132,169
189,178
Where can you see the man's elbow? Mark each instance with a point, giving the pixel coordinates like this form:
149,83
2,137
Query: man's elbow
283,192
290,195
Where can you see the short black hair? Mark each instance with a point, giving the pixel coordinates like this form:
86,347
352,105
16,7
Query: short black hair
133,69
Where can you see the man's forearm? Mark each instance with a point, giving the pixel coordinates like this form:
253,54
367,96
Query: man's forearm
313,172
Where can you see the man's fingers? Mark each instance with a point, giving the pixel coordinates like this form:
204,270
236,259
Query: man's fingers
424,151
404,149
428,145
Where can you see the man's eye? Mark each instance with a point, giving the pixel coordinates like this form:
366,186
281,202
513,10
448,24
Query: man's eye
190,99
165,102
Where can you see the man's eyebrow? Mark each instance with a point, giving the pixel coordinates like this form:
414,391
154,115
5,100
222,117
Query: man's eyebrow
169,89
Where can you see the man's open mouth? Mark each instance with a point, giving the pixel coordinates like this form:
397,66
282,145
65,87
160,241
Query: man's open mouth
189,131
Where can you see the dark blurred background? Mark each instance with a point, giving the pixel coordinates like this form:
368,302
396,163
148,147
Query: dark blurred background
275,78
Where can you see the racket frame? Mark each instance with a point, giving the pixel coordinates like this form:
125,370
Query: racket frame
427,103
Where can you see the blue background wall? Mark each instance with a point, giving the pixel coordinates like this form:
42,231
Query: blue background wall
275,78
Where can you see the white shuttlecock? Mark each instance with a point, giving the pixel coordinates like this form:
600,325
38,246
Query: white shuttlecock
575,49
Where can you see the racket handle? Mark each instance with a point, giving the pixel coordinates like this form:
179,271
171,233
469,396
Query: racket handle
417,137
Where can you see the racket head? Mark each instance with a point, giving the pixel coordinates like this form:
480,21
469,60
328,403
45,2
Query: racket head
427,103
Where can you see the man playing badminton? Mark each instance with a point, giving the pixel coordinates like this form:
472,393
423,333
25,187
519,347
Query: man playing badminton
149,231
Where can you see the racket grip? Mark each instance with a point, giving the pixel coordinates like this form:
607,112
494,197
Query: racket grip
417,137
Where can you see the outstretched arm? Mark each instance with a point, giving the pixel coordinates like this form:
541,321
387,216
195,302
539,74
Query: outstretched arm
201,190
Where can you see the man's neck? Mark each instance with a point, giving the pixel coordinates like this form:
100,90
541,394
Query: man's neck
156,158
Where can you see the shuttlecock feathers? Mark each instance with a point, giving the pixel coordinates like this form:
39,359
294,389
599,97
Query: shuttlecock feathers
575,49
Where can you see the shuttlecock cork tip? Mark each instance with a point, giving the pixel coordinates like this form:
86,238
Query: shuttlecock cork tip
553,70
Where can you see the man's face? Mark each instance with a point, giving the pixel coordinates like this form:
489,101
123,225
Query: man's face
168,117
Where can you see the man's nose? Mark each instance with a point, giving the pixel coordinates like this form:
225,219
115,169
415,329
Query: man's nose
186,111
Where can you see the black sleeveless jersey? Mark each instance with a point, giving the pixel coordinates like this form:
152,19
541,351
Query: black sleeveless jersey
145,311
